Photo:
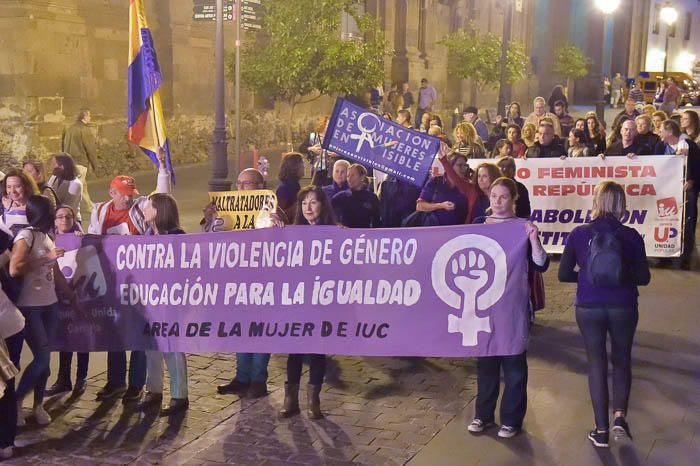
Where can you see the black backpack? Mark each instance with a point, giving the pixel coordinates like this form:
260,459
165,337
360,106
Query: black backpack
605,265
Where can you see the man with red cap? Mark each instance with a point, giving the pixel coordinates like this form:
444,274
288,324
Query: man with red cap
123,215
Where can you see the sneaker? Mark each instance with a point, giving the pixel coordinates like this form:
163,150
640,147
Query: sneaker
132,394
110,391
477,426
621,429
58,388
41,416
508,431
6,453
599,439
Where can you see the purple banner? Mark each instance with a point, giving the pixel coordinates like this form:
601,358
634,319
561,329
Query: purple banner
367,138
443,291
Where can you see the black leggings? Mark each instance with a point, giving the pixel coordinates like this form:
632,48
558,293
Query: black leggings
317,368
595,324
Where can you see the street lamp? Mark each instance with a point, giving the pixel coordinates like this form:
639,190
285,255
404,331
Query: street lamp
607,7
668,15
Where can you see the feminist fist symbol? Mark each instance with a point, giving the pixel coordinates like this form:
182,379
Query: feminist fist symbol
471,278
470,283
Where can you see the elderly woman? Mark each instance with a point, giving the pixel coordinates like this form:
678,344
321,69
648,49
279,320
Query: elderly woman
313,208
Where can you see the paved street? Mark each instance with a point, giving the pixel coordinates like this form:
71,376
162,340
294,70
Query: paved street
401,410
409,410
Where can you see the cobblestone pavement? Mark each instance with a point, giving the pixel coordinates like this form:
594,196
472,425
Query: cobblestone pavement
378,410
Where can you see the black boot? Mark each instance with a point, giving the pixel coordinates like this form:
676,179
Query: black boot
313,409
291,400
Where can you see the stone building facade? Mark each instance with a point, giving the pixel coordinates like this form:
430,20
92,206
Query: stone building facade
58,56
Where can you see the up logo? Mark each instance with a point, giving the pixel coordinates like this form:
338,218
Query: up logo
662,234
469,273
84,274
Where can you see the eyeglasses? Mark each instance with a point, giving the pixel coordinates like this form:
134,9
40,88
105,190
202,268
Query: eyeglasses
64,217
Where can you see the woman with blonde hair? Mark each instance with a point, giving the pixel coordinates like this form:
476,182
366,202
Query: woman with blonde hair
657,119
608,261
467,141
528,135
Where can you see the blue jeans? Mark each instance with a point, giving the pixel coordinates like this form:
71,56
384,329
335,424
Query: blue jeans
8,402
252,367
116,369
39,323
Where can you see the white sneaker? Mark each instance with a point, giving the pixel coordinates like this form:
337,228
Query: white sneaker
6,453
41,416
508,432
477,426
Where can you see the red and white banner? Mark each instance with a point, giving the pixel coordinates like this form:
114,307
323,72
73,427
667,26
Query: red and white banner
561,195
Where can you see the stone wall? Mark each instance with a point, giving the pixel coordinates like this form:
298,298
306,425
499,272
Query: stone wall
59,56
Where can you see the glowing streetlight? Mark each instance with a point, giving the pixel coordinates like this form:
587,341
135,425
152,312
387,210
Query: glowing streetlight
607,7
668,15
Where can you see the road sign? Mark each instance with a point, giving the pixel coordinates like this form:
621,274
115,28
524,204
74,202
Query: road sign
205,10
251,15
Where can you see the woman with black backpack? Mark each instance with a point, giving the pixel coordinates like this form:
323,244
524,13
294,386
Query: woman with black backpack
611,262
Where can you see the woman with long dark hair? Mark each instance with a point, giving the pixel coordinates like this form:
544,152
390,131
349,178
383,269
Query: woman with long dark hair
34,257
313,208
607,304
163,218
594,134
65,183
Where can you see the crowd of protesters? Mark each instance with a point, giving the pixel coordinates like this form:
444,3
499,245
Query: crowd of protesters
477,185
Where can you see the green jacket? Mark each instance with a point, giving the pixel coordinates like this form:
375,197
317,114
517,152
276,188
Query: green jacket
79,142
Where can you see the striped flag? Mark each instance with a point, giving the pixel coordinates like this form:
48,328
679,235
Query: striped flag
145,112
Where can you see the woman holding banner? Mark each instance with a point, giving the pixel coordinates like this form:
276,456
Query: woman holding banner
503,195
313,208
66,224
34,257
162,216
611,262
